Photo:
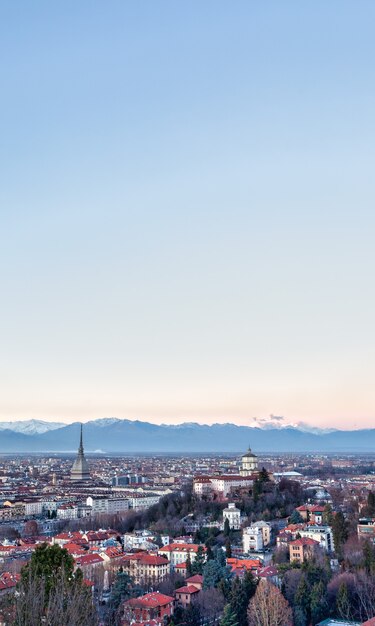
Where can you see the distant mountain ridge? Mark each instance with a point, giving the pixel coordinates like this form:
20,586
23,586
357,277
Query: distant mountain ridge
126,436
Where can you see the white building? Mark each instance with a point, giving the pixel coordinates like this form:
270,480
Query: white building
221,484
252,539
323,534
233,515
265,529
177,553
249,463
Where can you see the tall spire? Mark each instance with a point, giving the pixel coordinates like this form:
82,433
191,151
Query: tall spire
80,469
80,449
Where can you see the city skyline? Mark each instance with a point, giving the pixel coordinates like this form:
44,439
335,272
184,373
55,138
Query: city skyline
186,214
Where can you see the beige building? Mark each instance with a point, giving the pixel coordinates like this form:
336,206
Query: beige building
148,569
302,550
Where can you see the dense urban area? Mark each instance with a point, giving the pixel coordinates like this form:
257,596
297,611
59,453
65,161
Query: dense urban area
233,540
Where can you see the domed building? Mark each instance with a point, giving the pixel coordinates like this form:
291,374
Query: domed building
249,463
80,469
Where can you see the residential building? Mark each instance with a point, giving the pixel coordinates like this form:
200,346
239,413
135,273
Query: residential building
146,569
233,515
252,539
303,549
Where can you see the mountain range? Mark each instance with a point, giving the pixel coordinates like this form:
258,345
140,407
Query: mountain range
127,436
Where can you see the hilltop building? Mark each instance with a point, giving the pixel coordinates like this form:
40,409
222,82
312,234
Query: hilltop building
249,463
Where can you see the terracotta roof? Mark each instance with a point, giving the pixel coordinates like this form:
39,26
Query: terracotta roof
304,541
197,578
150,600
187,589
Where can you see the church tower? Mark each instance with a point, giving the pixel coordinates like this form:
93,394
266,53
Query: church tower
249,463
80,469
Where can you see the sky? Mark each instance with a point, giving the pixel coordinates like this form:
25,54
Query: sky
187,210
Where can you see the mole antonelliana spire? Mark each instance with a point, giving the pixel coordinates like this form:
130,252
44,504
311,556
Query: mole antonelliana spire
80,469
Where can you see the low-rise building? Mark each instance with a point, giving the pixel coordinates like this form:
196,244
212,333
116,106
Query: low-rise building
252,539
178,553
301,550
146,569
233,515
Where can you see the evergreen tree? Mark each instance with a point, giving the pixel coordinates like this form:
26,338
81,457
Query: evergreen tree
239,601
229,617
369,557
371,504
343,601
295,518
121,590
47,563
226,528
228,548
199,561
250,585
339,531
318,602
302,598
327,515
263,476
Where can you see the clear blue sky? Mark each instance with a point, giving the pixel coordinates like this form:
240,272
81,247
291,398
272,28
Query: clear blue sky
187,210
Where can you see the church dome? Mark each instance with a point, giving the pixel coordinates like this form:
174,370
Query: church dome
249,455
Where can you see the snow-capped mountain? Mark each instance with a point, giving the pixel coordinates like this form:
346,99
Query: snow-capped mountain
30,427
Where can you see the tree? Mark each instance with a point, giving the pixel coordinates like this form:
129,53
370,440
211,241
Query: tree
295,518
302,599
51,592
226,527
263,476
211,603
228,548
369,557
371,504
121,590
239,601
339,531
47,564
318,602
229,617
199,561
343,602
268,607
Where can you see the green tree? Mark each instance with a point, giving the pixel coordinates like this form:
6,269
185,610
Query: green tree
239,601
339,531
263,476
199,561
228,548
371,503
229,617
368,551
121,590
328,515
295,518
343,605
318,602
47,564
226,528
302,599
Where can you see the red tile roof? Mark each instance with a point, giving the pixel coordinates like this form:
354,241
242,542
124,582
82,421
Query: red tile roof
150,601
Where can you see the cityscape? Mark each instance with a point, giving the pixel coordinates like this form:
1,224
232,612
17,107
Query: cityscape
187,345
195,539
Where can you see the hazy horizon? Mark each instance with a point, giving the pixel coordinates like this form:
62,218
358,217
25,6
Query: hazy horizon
187,211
